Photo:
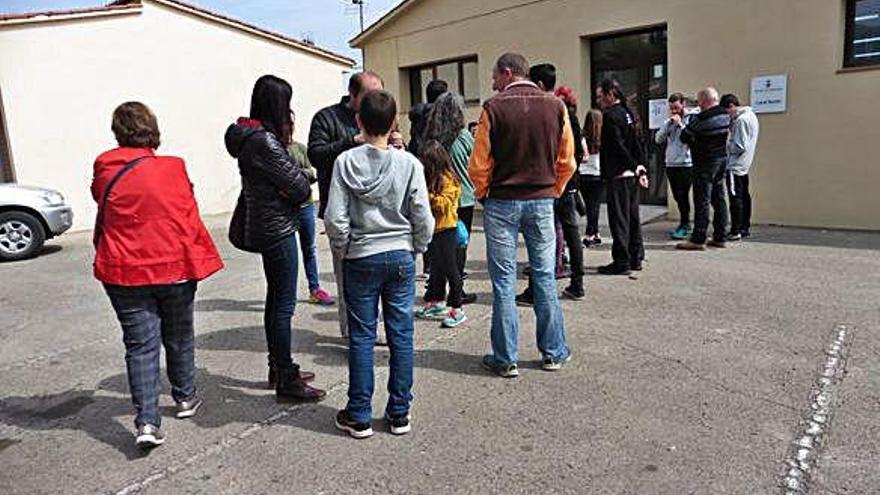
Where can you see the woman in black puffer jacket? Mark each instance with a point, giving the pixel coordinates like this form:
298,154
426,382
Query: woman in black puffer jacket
273,186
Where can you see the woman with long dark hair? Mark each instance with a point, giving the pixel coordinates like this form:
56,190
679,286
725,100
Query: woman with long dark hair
590,175
273,187
446,125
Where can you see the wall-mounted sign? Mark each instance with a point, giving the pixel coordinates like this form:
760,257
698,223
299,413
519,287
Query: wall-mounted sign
657,113
769,93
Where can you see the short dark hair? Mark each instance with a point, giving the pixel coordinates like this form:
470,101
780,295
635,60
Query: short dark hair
356,81
436,88
135,126
270,104
516,63
377,113
544,74
728,100
677,97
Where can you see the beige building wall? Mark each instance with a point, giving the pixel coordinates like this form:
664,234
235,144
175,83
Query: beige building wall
815,164
61,80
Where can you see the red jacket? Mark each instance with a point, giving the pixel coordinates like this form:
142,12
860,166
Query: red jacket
153,233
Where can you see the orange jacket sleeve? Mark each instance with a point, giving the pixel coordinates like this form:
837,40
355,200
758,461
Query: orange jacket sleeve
481,163
565,162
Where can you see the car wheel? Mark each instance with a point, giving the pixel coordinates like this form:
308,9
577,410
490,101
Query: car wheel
21,235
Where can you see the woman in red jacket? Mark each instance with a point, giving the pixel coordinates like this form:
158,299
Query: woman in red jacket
151,249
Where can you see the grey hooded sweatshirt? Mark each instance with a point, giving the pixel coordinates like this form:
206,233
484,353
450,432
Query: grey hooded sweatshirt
378,202
678,154
742,141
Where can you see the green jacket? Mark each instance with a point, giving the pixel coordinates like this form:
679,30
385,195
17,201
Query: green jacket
460,152
298,152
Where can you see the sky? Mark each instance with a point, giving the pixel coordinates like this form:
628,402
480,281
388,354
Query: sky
329,23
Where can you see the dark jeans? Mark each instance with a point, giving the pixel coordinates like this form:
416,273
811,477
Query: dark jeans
680,179
627,248
389,277
444,268
466,215
709,188
280,267
154,315
308,244
568,217
591,188
740,203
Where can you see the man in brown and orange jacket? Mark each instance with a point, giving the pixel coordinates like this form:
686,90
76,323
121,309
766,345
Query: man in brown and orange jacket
523,157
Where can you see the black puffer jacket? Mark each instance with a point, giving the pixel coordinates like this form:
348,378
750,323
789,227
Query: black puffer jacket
332,132
273,185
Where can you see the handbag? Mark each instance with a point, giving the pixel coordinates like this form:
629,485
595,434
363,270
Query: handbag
98,232
236,226
462,234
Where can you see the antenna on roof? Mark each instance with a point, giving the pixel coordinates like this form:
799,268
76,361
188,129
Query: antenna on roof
360,7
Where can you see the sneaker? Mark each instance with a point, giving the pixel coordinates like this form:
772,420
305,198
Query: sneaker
716,244
550,364
575,293
733,237
321,297
500,369
353,428
690,246
149,437
636,267
746,233
680,233
454,318
188,408
613,269
593,240
526,299
399,425
467,298
432,311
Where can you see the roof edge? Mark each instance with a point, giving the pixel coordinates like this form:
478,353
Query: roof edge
68,14
373,28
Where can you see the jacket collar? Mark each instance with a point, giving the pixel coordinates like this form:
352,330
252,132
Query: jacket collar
524,82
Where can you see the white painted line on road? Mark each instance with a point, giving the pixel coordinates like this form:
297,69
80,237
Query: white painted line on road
223,444
32,361
801,465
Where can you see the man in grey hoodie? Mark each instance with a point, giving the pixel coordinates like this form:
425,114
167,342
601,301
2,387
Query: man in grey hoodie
741,146
378,217
678,163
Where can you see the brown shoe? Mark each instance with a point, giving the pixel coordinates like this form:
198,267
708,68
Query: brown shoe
291,386
690,246
306,376
716,244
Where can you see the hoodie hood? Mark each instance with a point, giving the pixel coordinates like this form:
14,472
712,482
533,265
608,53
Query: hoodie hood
372,179
238,132
742,111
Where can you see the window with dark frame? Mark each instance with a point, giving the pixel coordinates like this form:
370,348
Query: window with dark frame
462,75
862,33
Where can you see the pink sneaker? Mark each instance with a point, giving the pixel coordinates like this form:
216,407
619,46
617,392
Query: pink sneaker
322,297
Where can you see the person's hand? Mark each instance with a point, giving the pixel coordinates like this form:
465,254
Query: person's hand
396,140
675,119
644,182
359,138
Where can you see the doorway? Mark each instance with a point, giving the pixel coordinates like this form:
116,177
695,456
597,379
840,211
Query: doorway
6,170
637,61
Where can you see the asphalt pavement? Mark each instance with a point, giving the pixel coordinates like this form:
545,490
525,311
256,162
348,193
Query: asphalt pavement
698,375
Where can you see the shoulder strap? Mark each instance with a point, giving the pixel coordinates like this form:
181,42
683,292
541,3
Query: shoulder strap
99,221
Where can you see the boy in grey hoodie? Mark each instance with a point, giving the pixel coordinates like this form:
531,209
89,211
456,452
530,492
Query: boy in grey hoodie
378,217
741,145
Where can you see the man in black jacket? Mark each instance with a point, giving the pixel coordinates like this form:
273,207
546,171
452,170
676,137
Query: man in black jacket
706,135
418,115
334,130
623,171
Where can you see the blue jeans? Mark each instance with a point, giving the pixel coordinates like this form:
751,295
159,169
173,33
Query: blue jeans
153,316
389,277
308,244
502,220
280,267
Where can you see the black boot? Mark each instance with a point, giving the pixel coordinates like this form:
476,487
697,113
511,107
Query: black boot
291,386
306,376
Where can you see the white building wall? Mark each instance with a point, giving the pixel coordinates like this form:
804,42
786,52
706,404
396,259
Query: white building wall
60,82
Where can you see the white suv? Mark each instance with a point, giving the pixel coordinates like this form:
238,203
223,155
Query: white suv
29,216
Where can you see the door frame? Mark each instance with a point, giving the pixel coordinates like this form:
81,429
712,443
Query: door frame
7,173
